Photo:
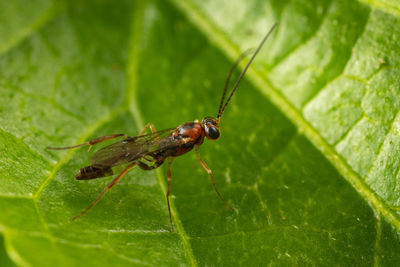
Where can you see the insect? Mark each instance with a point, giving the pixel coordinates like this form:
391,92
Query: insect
149,151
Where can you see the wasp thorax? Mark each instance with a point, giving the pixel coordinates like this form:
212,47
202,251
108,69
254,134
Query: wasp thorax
211,128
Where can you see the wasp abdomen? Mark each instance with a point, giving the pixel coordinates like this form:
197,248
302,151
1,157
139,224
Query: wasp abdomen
93,171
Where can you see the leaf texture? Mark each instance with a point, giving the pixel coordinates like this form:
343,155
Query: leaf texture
308,154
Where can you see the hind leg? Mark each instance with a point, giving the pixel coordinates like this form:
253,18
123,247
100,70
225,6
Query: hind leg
91,143
109,186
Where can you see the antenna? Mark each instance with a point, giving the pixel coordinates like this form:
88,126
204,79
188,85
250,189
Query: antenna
228,79
221,111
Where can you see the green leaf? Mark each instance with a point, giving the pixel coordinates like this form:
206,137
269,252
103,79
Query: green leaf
4,258
307,156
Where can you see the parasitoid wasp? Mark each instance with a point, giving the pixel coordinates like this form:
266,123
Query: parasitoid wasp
149,151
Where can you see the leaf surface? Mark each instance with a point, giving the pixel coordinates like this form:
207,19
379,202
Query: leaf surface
307,155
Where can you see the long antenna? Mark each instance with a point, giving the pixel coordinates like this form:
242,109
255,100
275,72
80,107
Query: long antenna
244,71
228,79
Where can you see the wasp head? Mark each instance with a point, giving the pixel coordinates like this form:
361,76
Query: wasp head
211,128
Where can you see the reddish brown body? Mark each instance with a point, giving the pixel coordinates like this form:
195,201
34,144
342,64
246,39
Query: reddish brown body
190,134
178,142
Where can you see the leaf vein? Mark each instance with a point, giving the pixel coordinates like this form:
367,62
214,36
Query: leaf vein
136,32
377,240
259,80
46,17
279,228
346,133
341,73
379,151
84,137
300,44
383,5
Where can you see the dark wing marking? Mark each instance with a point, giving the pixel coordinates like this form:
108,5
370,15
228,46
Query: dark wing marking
127,150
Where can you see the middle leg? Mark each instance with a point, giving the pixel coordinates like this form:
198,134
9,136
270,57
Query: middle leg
169,177
147,126
208,170
157,163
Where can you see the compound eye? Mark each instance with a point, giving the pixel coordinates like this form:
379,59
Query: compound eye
213,132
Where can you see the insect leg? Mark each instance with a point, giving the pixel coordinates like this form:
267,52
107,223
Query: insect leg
146,167
169,176
147,126
208,170
148,158
90,143
143,166
111,184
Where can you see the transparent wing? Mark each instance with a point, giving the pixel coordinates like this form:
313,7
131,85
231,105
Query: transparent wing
127,150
